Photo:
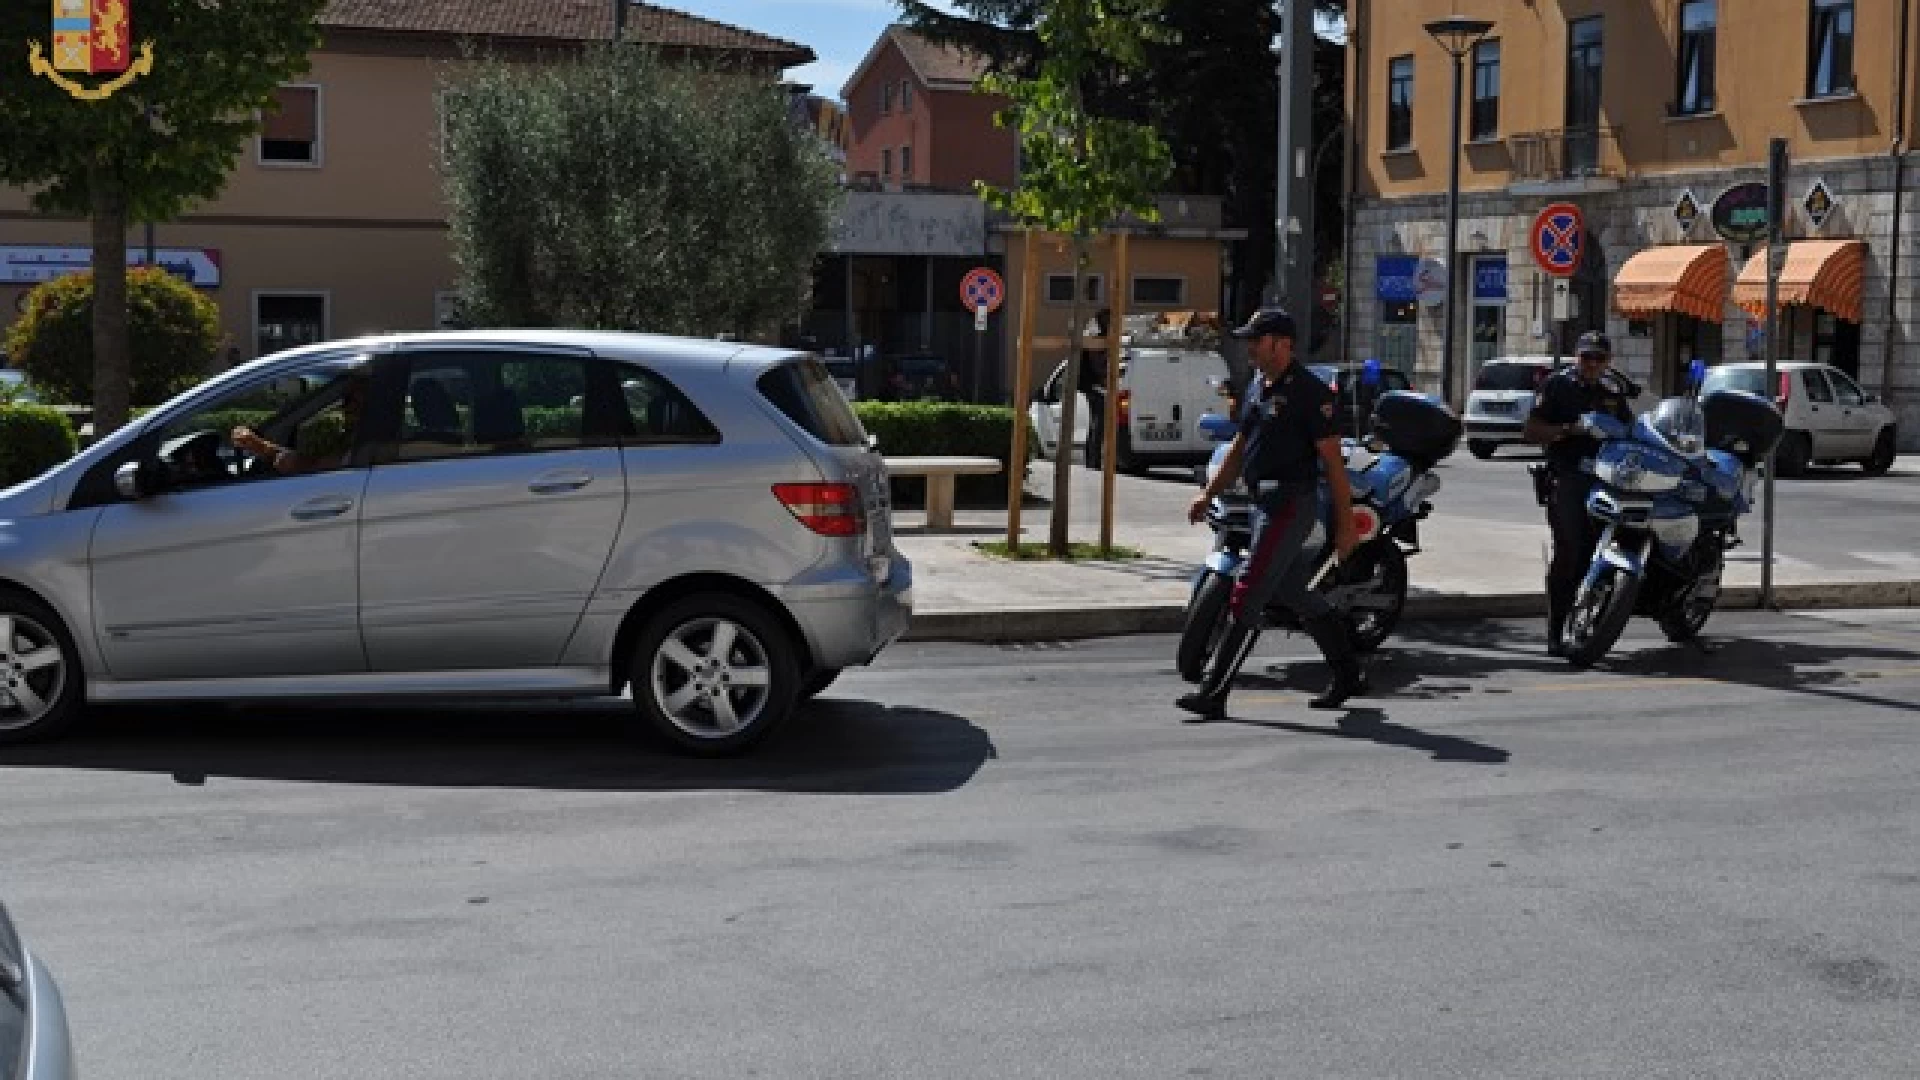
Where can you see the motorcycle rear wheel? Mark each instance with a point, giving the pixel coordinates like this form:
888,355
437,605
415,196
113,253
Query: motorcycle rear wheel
1597,621
1383,566
1684,621
1206,623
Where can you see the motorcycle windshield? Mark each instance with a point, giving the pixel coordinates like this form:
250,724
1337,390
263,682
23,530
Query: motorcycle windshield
1676,425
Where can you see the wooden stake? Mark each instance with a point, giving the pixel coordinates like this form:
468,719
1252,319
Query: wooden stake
1022,382
1117,296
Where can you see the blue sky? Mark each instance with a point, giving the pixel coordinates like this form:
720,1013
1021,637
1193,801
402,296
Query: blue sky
838,31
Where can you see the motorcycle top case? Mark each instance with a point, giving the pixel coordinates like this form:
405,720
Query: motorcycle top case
1745,425
1416,427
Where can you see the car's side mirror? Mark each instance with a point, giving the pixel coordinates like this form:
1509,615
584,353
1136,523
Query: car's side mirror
140,479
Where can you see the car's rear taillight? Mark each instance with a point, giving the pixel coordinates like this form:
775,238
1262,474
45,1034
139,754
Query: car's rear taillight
1785,393
1123,403
828,509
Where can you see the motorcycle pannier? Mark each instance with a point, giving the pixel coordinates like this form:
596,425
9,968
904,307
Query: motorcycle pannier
1744,425
1418,428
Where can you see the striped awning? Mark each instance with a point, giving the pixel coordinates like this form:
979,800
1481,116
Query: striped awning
1826,274
1687,279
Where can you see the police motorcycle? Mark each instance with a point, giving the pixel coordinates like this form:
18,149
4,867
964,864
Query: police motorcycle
1669,490
1392,479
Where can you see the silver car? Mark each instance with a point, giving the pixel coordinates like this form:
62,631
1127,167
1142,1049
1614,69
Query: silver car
483,513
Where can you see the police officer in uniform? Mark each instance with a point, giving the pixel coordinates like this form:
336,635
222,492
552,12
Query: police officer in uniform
1287,436
1569,394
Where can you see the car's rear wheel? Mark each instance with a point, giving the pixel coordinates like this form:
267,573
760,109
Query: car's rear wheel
1795,453
40,676
714,674
1881,459
1482,448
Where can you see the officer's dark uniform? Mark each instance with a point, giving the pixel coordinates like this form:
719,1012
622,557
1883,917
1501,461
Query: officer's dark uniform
1282,423
1564,399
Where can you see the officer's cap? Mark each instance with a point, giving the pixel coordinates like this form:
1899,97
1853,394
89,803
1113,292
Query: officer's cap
1593,343
1268,321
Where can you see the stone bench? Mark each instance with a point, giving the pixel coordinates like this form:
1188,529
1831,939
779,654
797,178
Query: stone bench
939,472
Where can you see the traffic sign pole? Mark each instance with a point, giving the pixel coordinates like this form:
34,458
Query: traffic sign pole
1776,234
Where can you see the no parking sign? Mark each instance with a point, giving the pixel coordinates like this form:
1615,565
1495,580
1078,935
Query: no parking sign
1559,239
982,288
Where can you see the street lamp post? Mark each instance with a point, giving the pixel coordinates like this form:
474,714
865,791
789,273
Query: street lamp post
1293,255
1458,36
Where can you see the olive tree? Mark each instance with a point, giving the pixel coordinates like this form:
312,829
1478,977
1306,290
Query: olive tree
617,190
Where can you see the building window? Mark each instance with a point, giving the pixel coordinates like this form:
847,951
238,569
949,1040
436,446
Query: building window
1699,19
1486,91
1400,103
906,164
286,320
1830,49
886,98
290,131
886,162
1159,291
1060,289
906,96
1586,62
1399,334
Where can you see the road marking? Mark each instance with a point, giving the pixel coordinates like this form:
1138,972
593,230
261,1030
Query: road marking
1900,560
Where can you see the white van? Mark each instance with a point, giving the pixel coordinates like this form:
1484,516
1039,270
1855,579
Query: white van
1171,371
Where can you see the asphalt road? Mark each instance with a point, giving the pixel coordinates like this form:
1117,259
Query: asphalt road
1015,862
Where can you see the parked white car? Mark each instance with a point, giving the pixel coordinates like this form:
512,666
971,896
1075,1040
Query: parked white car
1169,379
1502,395
1829,417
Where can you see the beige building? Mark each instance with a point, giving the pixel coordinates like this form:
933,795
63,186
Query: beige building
332,223
1652,119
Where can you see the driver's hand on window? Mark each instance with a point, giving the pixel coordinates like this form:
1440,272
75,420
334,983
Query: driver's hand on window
247,442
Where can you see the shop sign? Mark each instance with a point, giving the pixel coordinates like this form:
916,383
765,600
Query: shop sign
1686,211
1393,278
31,264
1818,204
1490,279
1740,213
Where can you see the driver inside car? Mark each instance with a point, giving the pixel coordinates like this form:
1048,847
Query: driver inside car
286,461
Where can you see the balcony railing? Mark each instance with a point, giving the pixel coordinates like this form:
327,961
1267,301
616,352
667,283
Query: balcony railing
1572,153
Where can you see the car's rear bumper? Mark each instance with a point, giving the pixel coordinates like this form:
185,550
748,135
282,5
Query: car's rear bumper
1492,427
848,618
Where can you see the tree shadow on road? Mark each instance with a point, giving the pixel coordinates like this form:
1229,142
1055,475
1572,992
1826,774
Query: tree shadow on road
833,745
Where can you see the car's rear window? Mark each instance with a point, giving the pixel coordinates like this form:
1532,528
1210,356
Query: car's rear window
1745,380
1511,377
804,390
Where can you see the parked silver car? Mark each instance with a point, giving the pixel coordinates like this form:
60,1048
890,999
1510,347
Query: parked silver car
487,513
34,1041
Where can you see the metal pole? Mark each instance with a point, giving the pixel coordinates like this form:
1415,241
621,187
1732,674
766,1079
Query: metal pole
151,260
619,19
1293,183
1776,231
1116,336
1453,231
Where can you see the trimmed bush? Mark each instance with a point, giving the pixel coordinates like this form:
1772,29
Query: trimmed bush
173,330
930,428
33,439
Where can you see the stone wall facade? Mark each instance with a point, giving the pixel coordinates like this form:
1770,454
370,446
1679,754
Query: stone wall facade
1637,215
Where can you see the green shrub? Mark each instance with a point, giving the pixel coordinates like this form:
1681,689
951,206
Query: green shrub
173,331
33,439
928,428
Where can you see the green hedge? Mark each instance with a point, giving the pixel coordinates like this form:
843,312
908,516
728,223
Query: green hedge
923,428
33,439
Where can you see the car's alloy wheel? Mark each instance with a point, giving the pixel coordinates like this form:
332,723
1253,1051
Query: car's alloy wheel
714,674
39,671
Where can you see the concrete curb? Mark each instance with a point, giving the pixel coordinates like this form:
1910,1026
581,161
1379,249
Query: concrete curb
1097,621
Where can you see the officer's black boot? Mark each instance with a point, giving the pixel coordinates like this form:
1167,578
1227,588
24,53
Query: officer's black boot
1330,633
1209,703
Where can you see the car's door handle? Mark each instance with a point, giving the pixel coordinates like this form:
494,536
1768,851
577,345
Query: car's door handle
317,509
554,483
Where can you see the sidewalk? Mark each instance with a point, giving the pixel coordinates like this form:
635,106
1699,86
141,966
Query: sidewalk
1469,567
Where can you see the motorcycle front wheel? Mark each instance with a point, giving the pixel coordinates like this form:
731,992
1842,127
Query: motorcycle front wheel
1597,620
1379,569
1206,622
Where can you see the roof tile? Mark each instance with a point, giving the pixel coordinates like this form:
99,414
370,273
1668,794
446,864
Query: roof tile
560,20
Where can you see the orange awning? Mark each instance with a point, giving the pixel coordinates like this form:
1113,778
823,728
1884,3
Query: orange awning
1688,279
1827,274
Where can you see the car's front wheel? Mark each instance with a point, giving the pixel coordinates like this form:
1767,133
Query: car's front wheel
1882,457
40,673
1482,448
714,674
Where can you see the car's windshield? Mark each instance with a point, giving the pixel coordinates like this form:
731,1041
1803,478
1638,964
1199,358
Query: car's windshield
1499,377
1745,380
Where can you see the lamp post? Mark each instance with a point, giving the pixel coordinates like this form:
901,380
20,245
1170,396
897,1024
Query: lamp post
1458,36
1293,254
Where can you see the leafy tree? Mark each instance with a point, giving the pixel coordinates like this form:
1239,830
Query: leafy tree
620,191
1208,84
175,332
1079,172
213,64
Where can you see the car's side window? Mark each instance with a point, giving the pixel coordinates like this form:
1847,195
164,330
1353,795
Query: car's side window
653,412
468,405
297,423
1846,389
1817,389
